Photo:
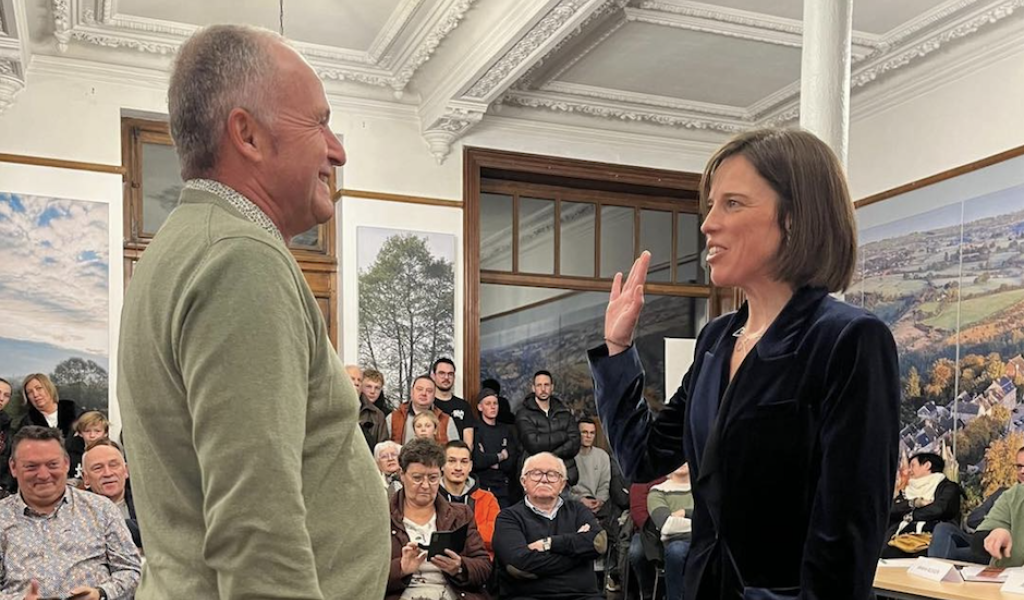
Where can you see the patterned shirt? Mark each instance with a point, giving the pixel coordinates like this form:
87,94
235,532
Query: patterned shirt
83,542
241,203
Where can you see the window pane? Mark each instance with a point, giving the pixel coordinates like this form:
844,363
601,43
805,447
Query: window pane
577,242
536,236
309,239
161,185
691,266
524,329
616,240
495,232
656,237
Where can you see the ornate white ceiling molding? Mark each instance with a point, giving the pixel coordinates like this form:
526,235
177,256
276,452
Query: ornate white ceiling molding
721,20
609,109
514,60
599,15
14,55
457,119
623,97
98,23
948,9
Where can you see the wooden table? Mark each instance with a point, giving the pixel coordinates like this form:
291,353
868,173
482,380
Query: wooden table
895,582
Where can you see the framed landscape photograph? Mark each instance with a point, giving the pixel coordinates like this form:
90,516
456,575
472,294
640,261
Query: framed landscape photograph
941,261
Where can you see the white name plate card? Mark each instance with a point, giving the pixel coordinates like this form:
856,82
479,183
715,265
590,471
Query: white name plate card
934,570
1014,583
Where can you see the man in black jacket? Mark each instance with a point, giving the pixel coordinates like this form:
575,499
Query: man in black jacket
545,545
545,424
104,472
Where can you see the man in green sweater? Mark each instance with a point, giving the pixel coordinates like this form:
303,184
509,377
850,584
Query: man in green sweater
240,421
1001,534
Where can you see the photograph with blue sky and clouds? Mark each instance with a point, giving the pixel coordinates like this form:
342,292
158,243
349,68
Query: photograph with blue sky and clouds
54,272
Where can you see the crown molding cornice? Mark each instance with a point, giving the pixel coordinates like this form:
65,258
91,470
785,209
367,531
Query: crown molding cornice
96,22
622,111
14,56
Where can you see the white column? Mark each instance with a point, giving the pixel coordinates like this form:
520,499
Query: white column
825,72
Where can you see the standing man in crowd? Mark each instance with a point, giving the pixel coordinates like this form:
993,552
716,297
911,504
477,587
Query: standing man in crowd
421,399
595,469
373,390
356,375
227,373
443,374
545,424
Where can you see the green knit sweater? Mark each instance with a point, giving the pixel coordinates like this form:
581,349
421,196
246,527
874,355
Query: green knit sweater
251,477
1008,513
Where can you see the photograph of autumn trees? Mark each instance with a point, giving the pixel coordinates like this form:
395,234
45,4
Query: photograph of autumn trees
950,284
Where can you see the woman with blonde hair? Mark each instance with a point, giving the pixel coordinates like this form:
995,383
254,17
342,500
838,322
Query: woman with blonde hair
44,407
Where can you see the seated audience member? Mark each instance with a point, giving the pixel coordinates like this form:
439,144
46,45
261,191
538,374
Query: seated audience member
373,390
495,451
372,422
928,499
356,375
645,545
544,545
104,472
386,454
58,541
43,406
417,511
1001,534
595,470
671,504
505,414
458,487
425,425
91,426
6,480
952,542
421,399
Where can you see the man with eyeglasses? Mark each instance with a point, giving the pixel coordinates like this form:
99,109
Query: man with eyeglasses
1001,534
443,374
545,545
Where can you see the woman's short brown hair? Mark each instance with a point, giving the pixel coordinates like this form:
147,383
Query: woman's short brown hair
423,451
815,214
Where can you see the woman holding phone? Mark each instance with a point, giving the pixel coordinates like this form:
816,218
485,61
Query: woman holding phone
417,511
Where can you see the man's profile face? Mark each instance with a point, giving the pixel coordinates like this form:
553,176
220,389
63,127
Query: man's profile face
422,394
444,376
542,387
104,471
41,468
305,150
587,434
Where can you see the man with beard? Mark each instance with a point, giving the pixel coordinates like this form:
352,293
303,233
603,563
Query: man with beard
459,488
443,374
546,425
421,398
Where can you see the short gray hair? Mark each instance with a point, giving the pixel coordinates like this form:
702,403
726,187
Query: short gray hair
532,459
220,68
386,445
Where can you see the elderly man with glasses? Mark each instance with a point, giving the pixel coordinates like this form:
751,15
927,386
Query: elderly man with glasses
545,545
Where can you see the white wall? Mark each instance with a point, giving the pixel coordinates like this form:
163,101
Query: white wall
971,118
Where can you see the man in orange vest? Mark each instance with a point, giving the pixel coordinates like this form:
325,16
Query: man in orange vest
421,398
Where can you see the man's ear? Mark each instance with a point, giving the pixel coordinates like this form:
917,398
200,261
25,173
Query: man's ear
247,136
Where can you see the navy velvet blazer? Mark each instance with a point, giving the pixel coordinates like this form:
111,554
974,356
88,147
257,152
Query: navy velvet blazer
793,462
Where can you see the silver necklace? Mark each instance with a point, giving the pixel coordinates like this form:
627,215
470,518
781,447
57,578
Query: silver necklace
743,339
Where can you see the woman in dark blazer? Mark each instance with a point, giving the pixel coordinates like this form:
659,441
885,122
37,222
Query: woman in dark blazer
789,415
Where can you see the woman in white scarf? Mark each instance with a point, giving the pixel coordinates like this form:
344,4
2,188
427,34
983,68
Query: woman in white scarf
928,499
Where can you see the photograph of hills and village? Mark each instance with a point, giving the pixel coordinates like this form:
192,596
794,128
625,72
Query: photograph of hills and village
950,285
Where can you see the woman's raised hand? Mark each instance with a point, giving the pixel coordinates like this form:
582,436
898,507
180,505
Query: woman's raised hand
624,305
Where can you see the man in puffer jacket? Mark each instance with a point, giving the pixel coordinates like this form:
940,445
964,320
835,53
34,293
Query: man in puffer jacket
545,424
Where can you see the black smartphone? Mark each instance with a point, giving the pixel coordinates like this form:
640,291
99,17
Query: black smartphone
440,541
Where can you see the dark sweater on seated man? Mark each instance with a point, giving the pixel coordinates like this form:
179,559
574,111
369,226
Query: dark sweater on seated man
545,546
